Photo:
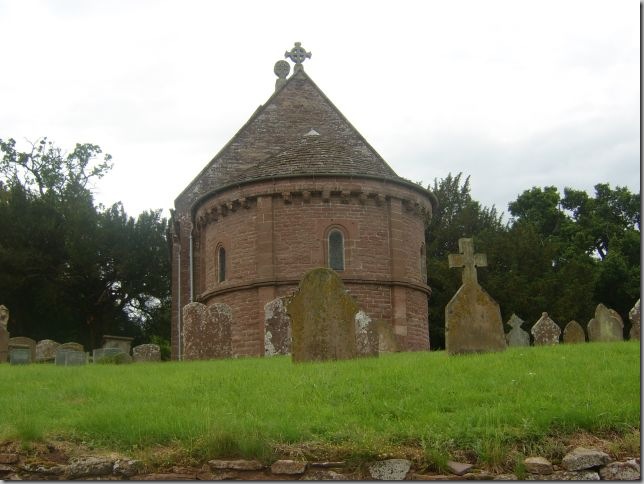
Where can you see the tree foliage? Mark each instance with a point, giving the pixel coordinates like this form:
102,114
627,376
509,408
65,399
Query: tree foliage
73,271
559,254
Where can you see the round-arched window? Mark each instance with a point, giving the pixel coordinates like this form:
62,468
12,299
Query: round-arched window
336,250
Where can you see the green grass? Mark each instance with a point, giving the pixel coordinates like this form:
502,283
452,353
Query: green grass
248,407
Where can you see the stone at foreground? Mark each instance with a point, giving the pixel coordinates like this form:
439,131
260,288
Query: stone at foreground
506,477
582,458
390,470
621,471
126,467
584,475
288,467
239,465
165,477
538,465
89,466
459,468
324,476
8,458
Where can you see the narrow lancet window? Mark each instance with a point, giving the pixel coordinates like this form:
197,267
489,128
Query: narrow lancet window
222,264
336,250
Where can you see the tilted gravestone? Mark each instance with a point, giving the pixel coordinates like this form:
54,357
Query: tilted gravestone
146,352
323,318
277,328
4,334
574,333
23,341
635,317
517,336
607,325
207,331
545,331
472,318
46,350
367,338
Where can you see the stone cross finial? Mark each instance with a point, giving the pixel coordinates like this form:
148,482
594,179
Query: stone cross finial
468,260
298,55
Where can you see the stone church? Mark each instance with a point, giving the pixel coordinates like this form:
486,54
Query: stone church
297,188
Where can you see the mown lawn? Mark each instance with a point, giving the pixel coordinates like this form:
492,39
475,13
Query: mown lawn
245,407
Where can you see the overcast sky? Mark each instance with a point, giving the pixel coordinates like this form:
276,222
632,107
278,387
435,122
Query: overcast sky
514,93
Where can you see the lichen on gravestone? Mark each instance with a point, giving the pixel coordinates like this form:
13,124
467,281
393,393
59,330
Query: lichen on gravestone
634,316
607,325
277,328
545,331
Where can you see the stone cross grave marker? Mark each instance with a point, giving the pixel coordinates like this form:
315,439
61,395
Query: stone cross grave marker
4,334
277,328
517,336
207,331
607,325
146,352
574,333
46,350
23,341
545,331
472,318
635,318
323,318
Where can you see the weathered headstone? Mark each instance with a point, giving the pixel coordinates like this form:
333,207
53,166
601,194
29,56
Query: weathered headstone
122,342
277,328
472,318
545,331
71,346
4,334
146,352
70,357
517,336
607,325
574,333
387,342
367,339
46,350
20,355
23,341
323,318
635,316
207,331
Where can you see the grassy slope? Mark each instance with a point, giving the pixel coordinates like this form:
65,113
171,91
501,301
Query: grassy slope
244,406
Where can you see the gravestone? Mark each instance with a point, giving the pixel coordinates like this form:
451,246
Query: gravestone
207,331
146,352
4,334
322,318
472,318
277,328
20,355
574,333
367,338
71,346
46,350
607,325
122,342
517,336
70,357
22,341
100,355
545,331
635,317
387,342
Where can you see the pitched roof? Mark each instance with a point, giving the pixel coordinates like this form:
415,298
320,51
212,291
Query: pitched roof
297,131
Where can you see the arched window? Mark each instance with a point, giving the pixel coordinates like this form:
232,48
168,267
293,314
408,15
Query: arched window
423,263
336,250
221,260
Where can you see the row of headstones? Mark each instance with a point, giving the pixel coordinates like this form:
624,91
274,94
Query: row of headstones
22,350
320,322
607,325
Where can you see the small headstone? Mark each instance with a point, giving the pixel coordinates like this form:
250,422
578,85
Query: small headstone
517,336
387,342
545,331
472,318
323,318
635,317
607,325
122,342
70,357
46,350
277,328
367,339
20,356
146,352
20,341
4,334
71,346
207,331
574,333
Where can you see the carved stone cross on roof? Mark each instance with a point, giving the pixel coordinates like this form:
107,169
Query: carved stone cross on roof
468,260
298,55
